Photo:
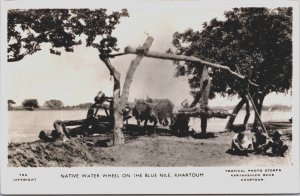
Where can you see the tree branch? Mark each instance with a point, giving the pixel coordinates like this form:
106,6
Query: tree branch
110,67
15,59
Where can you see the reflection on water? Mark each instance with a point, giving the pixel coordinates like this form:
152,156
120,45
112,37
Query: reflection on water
24,126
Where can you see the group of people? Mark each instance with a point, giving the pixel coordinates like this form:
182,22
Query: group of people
259,143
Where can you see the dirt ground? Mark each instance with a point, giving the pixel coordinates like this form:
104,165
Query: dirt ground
143,150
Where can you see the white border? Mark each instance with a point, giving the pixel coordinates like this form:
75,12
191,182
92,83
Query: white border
216,181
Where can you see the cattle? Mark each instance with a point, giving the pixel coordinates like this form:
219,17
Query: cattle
144,111
154,110
164,109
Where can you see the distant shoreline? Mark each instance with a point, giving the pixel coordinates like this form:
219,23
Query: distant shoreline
229,108
46,109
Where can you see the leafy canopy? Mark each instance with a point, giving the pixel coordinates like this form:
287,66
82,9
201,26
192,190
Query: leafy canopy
54,104
62,28
257,39
30,103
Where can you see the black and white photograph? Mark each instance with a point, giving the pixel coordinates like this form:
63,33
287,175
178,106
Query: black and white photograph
150,84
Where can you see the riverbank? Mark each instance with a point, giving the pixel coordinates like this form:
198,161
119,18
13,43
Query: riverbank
141,150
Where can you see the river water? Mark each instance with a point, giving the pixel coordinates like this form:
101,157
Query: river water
24,126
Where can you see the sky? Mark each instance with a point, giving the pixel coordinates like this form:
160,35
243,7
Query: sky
76,77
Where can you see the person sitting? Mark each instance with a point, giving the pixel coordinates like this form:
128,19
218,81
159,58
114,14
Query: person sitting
185,104
278,148
186,107
241,145
50,136
260,141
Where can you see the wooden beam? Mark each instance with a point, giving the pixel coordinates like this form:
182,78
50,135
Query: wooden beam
197,112
151,54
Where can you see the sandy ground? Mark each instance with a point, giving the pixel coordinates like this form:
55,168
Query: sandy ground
159,150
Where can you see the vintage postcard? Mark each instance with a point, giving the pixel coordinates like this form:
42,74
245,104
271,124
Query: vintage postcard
149,97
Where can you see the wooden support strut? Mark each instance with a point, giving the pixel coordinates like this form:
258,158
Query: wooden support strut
256,112
204,92
132,68
253,104
151,54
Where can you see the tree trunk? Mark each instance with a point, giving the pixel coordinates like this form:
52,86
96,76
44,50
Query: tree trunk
118,100
129,75
117,107
258,101
118,113
236,110
247,113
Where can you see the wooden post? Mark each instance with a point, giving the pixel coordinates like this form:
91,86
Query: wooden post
256,112
204,87
120,100
133,66
204,91
248,96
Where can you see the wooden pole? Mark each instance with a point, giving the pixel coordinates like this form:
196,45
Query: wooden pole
204,91
252,102
133,66
256,112
151,54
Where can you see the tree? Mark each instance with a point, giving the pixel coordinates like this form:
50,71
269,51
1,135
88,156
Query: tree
257,42
85,105
10,102
30,103
62,28
54,104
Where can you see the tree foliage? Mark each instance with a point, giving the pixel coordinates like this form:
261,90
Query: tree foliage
85,105
54,104
62,28
10,102
30,103
257,39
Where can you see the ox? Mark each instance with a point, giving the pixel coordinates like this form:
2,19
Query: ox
164,110
154,110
